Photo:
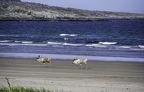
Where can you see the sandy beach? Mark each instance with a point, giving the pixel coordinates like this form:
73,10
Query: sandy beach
63,75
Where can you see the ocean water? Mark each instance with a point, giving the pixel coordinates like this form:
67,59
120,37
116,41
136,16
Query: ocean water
110,40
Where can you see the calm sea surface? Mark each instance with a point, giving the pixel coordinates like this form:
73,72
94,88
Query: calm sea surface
119,39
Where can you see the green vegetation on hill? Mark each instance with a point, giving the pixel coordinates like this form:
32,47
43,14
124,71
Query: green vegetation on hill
17,10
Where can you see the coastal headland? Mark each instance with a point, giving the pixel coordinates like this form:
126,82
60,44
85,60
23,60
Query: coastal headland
17,10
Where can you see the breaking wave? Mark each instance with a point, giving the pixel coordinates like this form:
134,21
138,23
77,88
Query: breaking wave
141,46
27,42
69,44
68,34
108,43
54,43
4,41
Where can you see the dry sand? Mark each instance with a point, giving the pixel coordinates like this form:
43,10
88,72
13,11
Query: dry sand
63,75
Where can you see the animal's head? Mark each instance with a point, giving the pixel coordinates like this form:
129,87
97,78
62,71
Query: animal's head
37,58
74,61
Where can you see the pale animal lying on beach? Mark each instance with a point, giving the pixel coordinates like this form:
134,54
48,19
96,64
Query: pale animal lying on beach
43,60
79,62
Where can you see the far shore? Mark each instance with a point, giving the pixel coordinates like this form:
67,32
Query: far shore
86,20
64,76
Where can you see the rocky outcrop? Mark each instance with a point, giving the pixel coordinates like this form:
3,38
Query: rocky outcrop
17,10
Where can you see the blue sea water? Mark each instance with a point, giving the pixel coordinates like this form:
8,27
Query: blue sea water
117,40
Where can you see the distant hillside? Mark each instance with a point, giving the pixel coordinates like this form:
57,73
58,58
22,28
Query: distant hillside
17,10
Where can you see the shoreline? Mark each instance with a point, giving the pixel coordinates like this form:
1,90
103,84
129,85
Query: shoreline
96,19
71,57
101,76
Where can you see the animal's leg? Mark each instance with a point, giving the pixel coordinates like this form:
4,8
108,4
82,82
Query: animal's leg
41,63
81,66
50,63
44,63
86,65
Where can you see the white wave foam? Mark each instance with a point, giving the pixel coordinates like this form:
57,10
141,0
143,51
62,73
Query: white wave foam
20,44
108,43
54,43
5,41
27,42
96,45
141,46
10,44
68,34
36,44
18,41
69,44
126,47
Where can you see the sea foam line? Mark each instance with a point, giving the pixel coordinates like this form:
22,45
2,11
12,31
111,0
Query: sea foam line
5,41
68,34
54,43
108,43
27,42
141,46
98,45
24,44
69,44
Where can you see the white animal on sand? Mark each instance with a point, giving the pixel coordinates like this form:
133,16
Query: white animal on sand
43,60
79,62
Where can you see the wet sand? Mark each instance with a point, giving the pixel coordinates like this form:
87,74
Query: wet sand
64,76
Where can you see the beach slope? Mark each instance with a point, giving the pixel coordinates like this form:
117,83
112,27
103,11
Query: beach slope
64,76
